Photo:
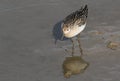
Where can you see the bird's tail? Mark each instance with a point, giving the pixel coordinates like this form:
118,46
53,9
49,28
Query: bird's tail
85,10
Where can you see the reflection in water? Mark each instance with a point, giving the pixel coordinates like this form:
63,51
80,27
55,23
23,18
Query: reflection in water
74,65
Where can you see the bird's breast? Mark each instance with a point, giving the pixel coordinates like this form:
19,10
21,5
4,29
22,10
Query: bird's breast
75,31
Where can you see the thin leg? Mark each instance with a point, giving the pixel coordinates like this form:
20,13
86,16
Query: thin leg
81,51
72,47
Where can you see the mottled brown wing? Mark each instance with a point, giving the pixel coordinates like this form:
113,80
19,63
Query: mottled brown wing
78,16
83,15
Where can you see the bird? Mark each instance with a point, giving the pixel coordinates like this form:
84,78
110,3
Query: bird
74,24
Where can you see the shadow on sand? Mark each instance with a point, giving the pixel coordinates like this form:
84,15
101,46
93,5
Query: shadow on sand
57,32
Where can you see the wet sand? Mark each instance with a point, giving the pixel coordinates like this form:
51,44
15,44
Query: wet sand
29,30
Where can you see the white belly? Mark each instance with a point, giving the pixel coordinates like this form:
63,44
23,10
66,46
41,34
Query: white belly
75,31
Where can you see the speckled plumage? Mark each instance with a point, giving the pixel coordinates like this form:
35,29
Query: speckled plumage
79,15
74,23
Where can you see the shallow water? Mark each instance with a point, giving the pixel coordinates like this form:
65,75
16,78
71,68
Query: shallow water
27,48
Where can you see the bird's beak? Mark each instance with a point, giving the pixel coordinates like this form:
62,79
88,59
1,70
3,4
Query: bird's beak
62,37
62,31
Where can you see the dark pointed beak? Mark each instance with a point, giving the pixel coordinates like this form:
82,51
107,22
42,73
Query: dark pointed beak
62,37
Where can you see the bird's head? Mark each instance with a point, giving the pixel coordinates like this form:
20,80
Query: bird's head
65,28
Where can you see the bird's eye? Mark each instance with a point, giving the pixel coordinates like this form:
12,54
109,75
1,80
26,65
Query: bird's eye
67,29
63,29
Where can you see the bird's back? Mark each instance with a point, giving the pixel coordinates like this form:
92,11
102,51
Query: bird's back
79,14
